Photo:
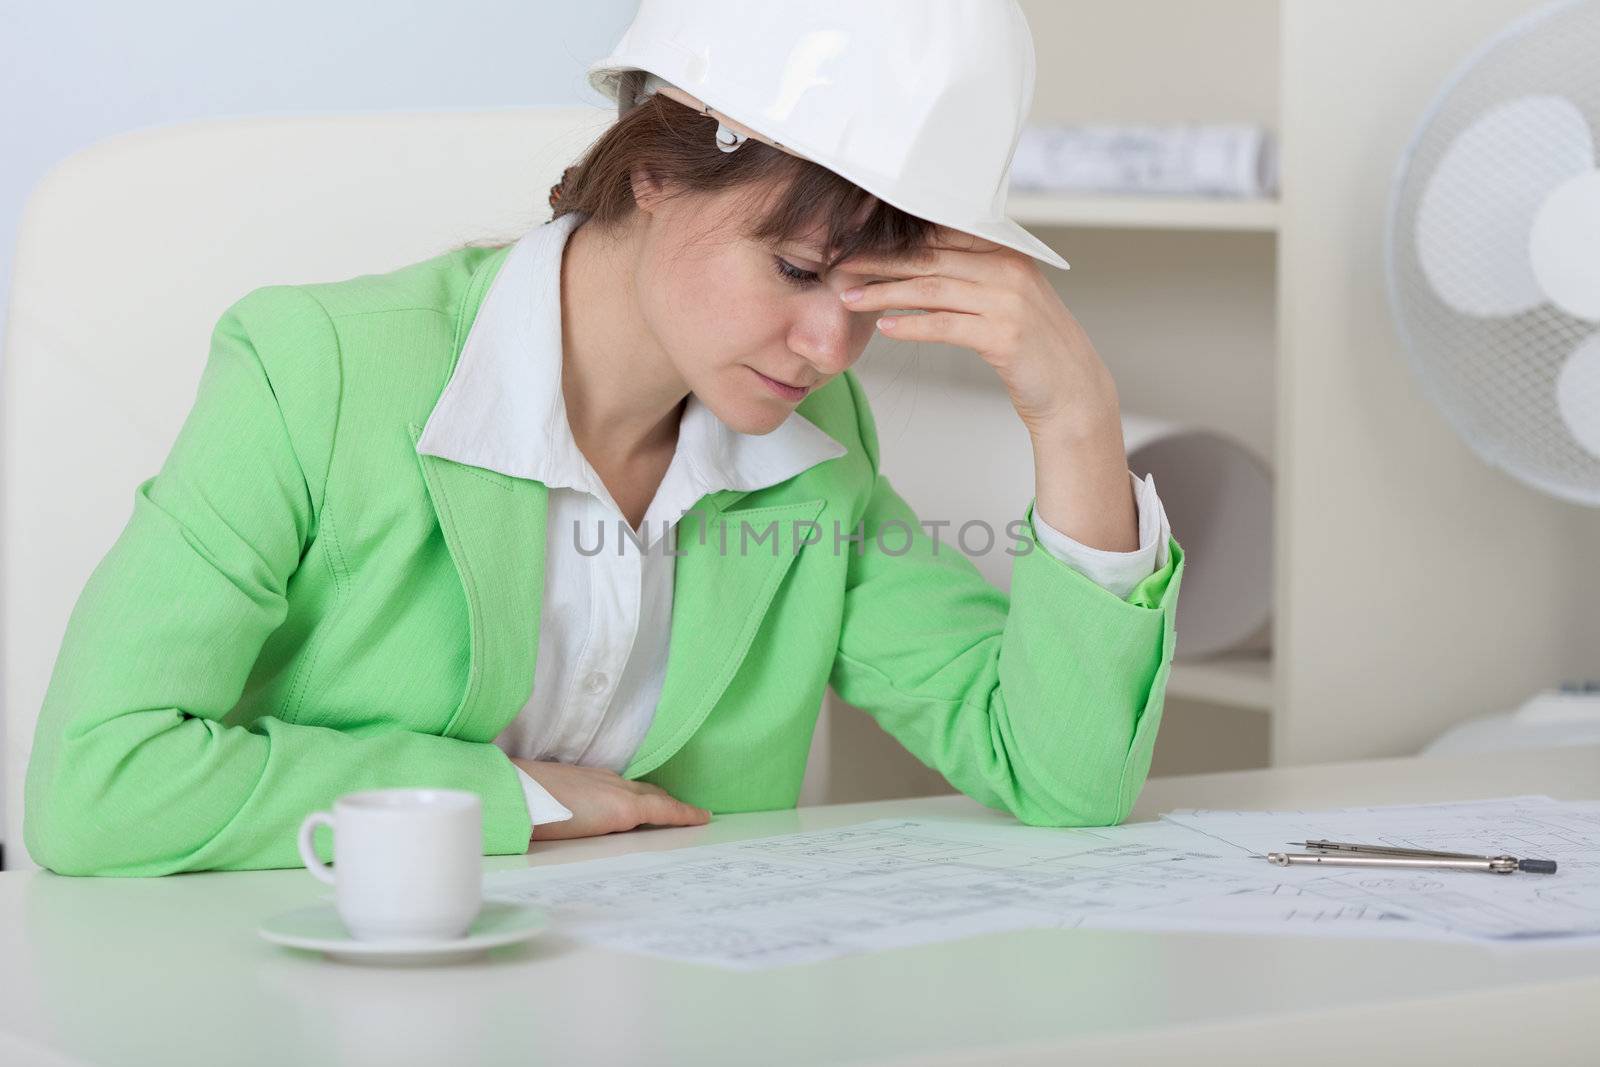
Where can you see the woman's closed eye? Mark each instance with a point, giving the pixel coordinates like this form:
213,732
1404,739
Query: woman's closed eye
793,274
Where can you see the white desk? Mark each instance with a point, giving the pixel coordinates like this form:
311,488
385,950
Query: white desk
170,971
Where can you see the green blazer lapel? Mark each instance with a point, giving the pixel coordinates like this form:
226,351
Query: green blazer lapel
720,597
494,526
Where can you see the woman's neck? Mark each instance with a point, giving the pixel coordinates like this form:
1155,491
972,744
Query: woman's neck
623,396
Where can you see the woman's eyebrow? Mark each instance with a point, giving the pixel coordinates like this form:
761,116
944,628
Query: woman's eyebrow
800,248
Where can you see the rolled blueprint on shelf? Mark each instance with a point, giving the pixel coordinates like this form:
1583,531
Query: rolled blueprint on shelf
1218,496
1222,159
957,452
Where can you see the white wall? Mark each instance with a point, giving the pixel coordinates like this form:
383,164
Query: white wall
75,71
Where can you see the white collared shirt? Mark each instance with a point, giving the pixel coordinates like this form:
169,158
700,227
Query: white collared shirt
605,620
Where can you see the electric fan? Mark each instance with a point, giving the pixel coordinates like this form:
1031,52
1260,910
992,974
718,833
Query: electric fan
1492,256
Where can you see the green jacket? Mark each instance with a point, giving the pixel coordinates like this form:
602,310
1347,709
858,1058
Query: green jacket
302,606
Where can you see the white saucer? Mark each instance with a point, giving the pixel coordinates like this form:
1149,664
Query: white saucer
320,929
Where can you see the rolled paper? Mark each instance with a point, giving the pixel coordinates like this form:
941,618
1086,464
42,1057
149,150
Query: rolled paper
959,455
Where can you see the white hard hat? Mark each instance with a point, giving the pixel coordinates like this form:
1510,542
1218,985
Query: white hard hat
918,102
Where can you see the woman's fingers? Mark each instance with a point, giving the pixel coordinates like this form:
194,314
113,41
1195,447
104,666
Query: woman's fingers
653,805
930,292
663,810
650,789
947,327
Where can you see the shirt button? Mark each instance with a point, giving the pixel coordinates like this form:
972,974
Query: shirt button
595,682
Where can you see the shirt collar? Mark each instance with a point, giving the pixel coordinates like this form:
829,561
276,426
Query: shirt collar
503,408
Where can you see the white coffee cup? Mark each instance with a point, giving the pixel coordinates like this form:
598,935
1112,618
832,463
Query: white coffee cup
408,863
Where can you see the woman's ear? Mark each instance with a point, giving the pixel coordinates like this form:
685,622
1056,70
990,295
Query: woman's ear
648,192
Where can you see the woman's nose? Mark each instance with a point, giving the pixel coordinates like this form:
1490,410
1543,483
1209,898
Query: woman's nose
828,338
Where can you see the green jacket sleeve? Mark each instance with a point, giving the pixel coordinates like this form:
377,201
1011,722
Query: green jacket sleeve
134,771
1043,704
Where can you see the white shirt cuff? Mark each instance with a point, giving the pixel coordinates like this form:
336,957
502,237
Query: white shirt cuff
1116,572
542,807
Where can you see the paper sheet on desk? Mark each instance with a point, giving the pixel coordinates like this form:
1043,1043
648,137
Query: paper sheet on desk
812,896
1469,903
816,895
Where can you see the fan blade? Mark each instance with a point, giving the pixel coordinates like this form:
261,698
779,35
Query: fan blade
1578,394
1565,246
1480,202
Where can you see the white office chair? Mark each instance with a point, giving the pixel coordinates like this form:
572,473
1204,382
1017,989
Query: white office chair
129,252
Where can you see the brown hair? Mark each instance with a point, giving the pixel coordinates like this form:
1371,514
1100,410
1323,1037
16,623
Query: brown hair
677,145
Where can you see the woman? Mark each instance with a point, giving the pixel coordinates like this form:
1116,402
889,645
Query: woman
384,548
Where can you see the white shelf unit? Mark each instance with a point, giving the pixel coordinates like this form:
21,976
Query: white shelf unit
1246,215
1179,293
1414,586
1117,241
1235,680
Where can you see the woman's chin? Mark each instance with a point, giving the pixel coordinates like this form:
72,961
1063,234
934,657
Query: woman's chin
753,415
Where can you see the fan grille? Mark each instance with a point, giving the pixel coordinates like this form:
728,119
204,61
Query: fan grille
1495,378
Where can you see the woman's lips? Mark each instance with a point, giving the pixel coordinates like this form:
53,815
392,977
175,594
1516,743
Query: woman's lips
788,392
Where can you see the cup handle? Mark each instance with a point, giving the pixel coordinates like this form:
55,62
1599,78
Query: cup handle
308,852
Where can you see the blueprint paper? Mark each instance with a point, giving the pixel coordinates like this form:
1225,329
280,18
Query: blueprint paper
1508,906
1470,903
1460,826
816,895
812,896
1280,909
